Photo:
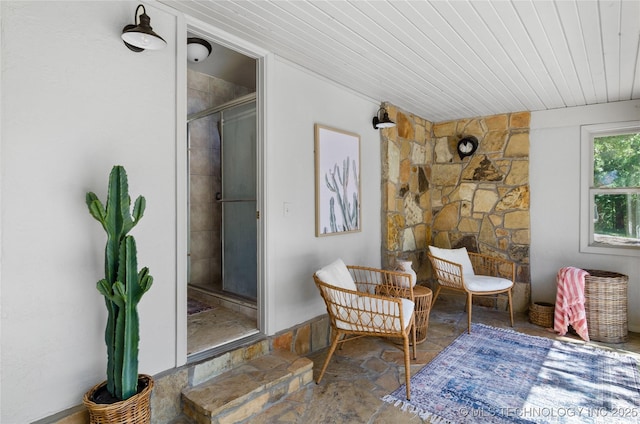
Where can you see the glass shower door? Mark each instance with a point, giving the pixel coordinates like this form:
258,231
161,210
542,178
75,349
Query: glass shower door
239,207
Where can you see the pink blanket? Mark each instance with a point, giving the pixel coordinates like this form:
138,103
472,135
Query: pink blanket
570,302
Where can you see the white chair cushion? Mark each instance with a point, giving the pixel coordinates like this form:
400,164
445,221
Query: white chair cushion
373,319
485,283
337,274
458,256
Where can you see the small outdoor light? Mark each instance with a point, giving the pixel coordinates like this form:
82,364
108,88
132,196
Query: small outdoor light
467,146
140,36
197,49
385,122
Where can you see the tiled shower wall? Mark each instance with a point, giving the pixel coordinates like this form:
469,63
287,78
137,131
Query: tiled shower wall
205,251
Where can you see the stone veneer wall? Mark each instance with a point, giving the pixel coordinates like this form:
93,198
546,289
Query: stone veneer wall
481,202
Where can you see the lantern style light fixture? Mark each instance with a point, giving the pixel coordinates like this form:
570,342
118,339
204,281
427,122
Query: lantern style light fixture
140,36
383,122
197,49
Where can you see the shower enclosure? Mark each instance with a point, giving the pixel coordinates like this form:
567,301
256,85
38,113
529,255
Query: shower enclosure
222,199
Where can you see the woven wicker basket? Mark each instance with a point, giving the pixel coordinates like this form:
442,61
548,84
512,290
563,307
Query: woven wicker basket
605,305
541,314
135,410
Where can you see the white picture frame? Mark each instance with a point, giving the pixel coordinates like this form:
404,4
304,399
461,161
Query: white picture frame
337,172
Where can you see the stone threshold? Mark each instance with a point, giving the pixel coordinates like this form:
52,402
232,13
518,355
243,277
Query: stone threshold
247,389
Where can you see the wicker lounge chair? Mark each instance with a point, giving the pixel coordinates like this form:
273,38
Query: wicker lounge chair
471,273
365,301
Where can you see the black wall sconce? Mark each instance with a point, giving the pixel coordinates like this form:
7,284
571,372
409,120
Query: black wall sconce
467,146
383,122
140,36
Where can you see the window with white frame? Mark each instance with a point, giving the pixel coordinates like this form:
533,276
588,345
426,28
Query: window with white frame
610,195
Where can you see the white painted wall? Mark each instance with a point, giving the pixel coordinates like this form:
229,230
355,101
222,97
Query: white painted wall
555,200
76,101
84,103
297,100
80,103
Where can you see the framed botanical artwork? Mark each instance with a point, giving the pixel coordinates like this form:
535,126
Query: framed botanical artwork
337,164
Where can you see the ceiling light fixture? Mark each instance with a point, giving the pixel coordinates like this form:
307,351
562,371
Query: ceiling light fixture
197,49
140,36
383,122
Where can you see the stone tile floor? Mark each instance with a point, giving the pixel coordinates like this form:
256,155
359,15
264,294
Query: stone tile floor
366,369
217,326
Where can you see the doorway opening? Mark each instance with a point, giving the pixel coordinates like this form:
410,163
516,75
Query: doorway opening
222,274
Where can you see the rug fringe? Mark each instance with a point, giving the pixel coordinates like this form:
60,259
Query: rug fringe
406,406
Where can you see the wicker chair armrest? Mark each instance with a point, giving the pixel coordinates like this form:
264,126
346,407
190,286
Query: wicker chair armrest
363,312
382,281
448,274
492,266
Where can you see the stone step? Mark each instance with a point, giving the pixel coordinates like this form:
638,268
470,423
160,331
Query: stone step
248,389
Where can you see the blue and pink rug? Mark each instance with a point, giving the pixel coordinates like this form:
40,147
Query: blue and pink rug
500,376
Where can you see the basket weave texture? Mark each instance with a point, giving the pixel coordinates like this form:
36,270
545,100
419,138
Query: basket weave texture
605,305
541,314
135,410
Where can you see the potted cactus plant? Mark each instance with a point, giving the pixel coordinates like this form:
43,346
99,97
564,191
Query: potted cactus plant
124,396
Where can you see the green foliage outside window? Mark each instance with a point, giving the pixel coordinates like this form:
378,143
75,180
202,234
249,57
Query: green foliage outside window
616,161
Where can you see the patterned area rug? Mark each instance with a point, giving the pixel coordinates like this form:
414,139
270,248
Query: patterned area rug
500,376
194,306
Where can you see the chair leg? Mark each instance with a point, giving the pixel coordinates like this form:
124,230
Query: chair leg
341,345
413,334
510,307
469,307
332,349
436,295
407,364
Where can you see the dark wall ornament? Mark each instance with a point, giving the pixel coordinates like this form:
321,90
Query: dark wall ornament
467,146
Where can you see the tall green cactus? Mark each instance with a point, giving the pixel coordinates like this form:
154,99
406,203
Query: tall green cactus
123,286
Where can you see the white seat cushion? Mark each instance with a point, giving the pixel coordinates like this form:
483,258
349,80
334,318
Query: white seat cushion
485,283
458,256
348,318
337,274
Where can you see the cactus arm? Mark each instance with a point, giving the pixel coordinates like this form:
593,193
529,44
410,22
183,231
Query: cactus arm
354,211
96,209
326,180
341,201
145,280
356,203
138,209
332,216
355,173
119,203
105,289
126,291
335,186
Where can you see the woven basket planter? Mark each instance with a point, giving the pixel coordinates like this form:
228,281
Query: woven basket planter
135,410
605,305
541,314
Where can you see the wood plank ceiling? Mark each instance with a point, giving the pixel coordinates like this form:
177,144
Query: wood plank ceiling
446,60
